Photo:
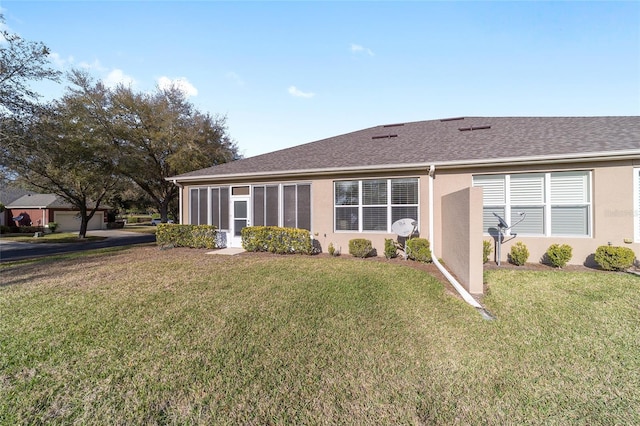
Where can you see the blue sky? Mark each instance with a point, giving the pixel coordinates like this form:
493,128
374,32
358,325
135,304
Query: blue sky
287,73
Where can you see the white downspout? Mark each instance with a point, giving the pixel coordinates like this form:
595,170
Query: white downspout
461,290
179,200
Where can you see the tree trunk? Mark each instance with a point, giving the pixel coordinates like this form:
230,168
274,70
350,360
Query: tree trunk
164,211
84,222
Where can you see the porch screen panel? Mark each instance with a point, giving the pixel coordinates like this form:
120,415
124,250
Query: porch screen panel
271,205
258,205
193,206
304,207
224,208
289,206
204,206
215,207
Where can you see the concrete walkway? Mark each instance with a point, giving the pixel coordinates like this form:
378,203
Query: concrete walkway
229,251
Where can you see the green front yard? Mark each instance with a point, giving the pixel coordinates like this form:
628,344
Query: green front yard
177,336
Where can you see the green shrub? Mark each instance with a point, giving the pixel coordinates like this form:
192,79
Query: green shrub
558,255
332,250
612,258
390,249
52,226
360,247
4,229
487,248
418,249
519,254
274,239
193,236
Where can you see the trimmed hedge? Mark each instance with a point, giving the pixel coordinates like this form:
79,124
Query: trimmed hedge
418,249
519,254
193,236
274,239
612,258
360,247
558,255
390,249
487,248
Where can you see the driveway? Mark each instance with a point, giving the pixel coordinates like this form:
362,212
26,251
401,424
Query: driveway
10,250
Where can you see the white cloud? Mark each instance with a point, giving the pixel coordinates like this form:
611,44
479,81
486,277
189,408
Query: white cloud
95,65
235,78
356,48
116,77
181,83
294,91
59,61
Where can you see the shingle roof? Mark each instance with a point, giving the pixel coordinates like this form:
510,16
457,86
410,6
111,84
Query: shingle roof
449,141
39,201
9,194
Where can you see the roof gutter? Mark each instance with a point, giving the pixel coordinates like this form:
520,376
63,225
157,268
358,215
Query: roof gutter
485,162
459,288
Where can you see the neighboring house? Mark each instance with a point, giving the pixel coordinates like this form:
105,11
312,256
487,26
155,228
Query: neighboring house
7,196
576,178
40,209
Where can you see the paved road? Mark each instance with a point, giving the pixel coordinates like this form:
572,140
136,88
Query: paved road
17,251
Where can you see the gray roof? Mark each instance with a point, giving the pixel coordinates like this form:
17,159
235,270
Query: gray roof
459,141
39,201
9,194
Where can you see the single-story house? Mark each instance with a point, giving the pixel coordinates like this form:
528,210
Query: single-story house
32,209
7,196
574,180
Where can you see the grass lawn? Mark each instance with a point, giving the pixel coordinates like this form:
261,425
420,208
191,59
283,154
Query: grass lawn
144,336
59,237
145,228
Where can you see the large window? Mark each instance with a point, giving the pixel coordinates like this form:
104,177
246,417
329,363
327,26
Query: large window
374,204
557,204
286,205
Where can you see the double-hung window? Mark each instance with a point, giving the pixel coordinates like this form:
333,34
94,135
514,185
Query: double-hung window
552,204
374,204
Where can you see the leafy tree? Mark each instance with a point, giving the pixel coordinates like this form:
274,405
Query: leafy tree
56,152
156,135
21,61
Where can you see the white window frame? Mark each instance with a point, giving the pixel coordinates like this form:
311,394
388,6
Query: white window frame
281,210
546,204
360,206
636,204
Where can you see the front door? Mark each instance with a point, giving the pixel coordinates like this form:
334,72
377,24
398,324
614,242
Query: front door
240,219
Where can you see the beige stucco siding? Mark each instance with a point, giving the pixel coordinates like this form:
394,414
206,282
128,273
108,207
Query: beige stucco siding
612,212
612,209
